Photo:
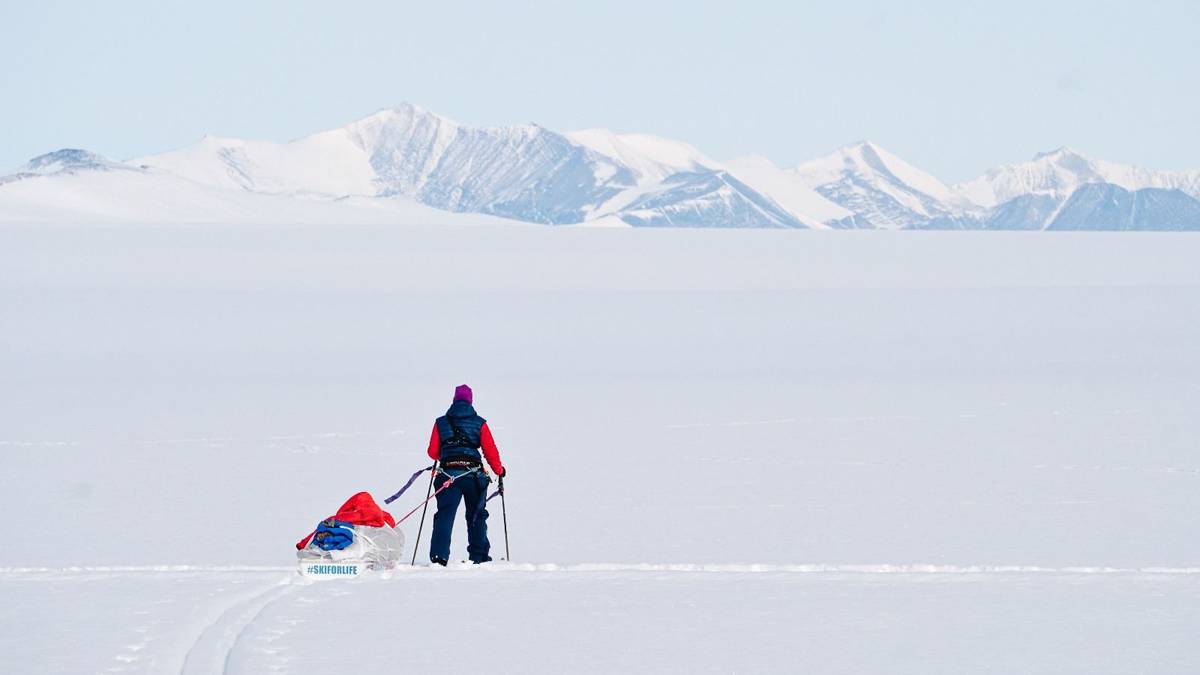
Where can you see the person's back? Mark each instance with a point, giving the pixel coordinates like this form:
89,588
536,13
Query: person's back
456,442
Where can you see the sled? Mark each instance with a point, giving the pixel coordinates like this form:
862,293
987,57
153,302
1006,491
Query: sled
374,548
360,537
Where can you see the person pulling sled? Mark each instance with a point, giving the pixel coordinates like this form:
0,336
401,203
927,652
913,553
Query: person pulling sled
458,436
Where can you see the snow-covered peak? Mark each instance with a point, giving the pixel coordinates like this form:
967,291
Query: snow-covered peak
1056,173
333,163
211,141
882,190
869,160
69,160
401,126
521,171
403,117
1060,172
408,118
651,158
1058,154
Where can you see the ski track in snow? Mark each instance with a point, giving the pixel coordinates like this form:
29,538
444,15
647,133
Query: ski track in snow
214,647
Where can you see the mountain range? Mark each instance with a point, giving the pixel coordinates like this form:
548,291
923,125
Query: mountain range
408,164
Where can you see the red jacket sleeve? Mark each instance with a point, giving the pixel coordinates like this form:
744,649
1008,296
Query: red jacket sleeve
435,443
490,451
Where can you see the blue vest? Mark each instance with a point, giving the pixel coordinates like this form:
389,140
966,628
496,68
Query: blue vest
459,433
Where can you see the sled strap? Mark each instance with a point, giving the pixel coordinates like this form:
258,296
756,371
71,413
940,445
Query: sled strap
407,485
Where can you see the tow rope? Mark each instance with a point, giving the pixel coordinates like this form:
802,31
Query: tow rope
413,478
407,485
436,492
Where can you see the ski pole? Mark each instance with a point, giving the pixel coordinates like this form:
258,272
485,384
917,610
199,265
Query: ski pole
504,513
433,472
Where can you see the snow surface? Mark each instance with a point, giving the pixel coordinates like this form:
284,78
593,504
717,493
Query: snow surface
155,197
751,451
541,619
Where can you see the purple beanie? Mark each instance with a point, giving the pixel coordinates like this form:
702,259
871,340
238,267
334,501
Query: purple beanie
463,393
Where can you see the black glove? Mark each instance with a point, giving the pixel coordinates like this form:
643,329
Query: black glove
503,471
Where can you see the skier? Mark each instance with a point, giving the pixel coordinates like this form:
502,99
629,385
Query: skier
457,438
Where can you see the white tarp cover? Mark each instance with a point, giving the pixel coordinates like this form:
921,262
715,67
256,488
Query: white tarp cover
377,547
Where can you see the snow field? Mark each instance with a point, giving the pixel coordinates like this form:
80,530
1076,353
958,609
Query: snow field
623,619
848,452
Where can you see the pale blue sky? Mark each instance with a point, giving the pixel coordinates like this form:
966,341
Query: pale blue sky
954,87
